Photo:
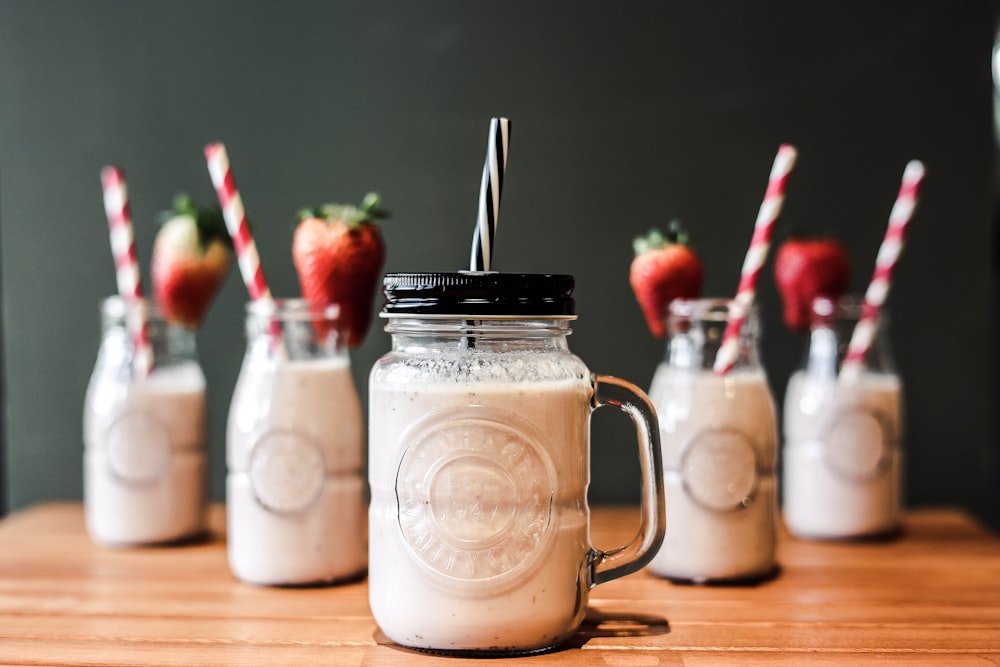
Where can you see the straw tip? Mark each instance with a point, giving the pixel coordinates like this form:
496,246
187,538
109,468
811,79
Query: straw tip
499,125
915,170
784,161
111,174
788,151
213,149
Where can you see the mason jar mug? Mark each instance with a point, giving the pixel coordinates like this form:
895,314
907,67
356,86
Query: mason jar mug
479,466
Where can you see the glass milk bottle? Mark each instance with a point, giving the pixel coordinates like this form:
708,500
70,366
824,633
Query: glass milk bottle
294,446
719,439
479,460
842,454
145,460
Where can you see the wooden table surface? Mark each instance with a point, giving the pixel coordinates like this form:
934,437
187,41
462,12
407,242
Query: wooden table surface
930,596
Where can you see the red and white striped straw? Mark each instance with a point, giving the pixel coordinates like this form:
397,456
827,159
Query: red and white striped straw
235,216
760,243
127,275
489,195
888,255
116,206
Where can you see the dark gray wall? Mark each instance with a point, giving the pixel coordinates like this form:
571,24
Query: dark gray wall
625,114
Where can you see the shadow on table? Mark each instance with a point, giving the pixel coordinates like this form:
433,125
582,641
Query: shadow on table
603,624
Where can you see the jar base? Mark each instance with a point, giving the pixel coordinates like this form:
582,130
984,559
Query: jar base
196,538
339,580
488,652
741,580
322,545
171,510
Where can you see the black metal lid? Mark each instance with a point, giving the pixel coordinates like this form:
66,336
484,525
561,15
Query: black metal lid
484,294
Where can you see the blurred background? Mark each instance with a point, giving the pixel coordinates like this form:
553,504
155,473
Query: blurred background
624,116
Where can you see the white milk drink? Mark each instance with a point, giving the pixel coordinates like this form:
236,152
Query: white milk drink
479,466
144,432
719,439
842,454
294,446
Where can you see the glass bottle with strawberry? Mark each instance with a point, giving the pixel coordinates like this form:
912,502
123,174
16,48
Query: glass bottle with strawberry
718,430
842,457
294,492
295,436
144,422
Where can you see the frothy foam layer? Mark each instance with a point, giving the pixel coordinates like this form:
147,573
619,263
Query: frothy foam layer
464,366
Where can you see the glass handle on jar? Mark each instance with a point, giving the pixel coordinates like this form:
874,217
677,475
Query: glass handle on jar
608,565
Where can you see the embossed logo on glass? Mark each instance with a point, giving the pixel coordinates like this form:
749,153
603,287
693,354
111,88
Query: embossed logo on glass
474,491
719,470
286,471
138,448
857,442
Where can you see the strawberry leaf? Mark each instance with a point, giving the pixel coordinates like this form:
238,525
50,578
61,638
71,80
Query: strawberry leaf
350,215
676,232
208,220
655,239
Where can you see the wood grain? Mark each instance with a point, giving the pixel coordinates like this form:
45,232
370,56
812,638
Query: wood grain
931,595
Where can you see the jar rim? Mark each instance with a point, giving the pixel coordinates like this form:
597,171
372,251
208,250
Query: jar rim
293,307
848,306
116,305
709,308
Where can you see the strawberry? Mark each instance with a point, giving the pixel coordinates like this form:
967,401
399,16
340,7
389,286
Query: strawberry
338,253
664,269
806,268
191,258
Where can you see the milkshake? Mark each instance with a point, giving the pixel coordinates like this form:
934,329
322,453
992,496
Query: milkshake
294,490
718,434
145,464
479,467
479,500
842,454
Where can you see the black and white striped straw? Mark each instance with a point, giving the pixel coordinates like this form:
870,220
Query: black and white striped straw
489,195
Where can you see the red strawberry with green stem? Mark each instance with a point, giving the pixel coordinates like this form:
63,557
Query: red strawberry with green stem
664,269
192,255
338,253
805,268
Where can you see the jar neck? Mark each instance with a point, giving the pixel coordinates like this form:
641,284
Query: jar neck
831,327
170,343
416,334
290,329
698,327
